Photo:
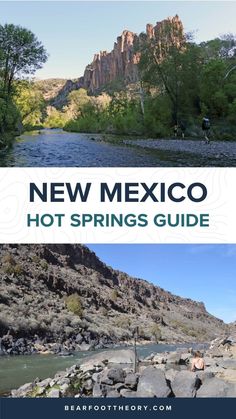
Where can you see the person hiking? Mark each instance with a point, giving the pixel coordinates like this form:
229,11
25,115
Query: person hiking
182,129
206,128
176,130
198,363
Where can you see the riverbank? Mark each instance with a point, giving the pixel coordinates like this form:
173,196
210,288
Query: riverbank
216,149
17,370
85,341
7,140
58,148
121,374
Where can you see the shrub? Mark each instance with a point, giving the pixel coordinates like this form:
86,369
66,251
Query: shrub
114,295
13,270
156,332
8,258
36,259
103,311
10,266
123,322
74,305
44,265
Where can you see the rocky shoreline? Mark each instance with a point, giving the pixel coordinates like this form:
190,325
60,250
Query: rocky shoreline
83,342
11,345
216,149
120,374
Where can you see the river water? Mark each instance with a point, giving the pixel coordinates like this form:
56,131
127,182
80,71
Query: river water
57,148
18,370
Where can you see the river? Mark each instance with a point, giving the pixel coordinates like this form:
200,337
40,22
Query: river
18,370
57,148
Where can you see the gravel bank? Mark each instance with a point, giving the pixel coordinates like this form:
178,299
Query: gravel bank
215,149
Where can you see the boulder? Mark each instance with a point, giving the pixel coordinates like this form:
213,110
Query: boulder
215,370
214,387
150,357
44,383
204,375
79,339
215,353
103,377
63,380
72,369
229,363
119,386
40,391
88,368
84,347
161,367
185,358
152,383
232,390
64,388
61,374
112,393
171,374
158,359
117,375
23,390
184,384
54,393
88,385
209,361
131,380
128,393
173,358
227,375
121,356
97,391
95,377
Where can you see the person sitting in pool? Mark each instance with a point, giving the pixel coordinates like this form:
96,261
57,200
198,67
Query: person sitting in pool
198,363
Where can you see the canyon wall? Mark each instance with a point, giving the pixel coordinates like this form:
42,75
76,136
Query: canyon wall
118,64
121,62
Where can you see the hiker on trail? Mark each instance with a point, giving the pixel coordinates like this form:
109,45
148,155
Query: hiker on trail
206,128
183,129
176,130
198,363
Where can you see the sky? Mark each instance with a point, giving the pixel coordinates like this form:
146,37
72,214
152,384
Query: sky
73,32
202,272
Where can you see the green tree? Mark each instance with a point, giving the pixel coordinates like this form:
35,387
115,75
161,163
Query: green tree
219,48
218,81
21,53
30,102
10,122
161,61
78,101
216,92
55,118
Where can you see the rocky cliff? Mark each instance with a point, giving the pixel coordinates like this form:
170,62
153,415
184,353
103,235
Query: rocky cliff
118,65
37,282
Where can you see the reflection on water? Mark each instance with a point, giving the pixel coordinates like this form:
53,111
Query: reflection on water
18,370
56,148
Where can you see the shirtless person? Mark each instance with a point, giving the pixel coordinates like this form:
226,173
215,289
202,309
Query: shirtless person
198,363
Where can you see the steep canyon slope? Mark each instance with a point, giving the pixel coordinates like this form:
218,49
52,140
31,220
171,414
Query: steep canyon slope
37,282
